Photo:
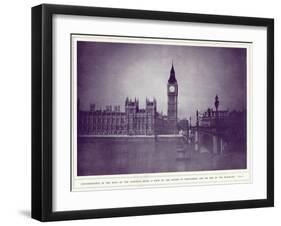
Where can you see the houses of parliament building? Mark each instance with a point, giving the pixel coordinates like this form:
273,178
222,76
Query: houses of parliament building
134,120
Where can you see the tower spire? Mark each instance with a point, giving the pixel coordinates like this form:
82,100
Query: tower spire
172,69
217,102
172,78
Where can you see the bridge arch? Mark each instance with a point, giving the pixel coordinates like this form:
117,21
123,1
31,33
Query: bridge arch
209,140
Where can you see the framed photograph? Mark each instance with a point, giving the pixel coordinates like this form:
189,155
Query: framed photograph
146,112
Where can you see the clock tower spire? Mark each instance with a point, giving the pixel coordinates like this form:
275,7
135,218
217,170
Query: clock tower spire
172,92
172,78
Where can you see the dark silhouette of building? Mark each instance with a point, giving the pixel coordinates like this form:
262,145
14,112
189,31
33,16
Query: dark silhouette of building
140,121
134,121
102,122
172,92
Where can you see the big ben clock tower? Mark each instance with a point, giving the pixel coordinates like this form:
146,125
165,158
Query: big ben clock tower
172,88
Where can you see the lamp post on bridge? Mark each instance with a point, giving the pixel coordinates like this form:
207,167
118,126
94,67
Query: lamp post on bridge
197,132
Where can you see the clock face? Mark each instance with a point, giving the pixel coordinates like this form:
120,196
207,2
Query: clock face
172,89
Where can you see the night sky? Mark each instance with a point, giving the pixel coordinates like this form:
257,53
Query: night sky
110,72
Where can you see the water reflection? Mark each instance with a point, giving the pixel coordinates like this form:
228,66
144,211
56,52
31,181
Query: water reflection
104,156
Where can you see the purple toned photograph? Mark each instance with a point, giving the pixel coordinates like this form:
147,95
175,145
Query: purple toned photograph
155,108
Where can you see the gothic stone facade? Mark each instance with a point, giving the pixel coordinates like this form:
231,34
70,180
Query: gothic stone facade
133,121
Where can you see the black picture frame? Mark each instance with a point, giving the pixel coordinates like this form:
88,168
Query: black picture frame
42,106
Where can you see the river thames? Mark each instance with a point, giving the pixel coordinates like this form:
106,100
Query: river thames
109,156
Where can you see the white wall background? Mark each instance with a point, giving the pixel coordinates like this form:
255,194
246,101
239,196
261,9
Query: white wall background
15,114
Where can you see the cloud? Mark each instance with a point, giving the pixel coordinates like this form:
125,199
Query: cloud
109,72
